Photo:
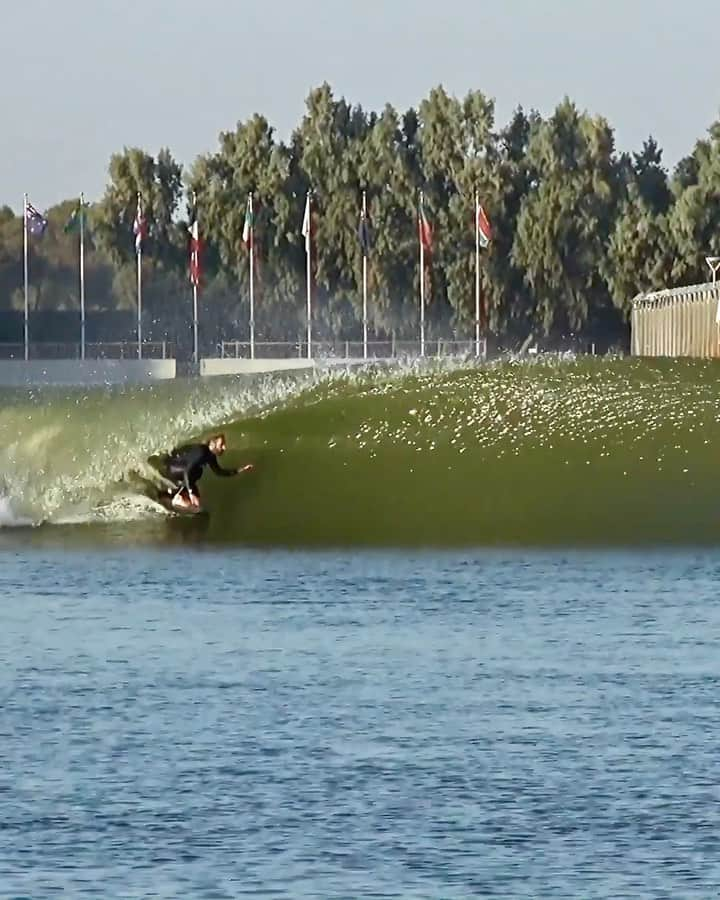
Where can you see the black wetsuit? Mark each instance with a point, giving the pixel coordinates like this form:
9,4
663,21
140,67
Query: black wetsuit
185,465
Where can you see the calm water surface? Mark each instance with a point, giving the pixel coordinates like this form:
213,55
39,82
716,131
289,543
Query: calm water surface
218,725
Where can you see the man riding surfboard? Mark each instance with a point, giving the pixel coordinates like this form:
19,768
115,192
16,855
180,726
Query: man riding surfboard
184,467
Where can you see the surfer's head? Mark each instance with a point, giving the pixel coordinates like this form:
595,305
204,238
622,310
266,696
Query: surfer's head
217,444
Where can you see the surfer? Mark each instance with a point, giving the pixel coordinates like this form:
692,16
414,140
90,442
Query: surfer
184,466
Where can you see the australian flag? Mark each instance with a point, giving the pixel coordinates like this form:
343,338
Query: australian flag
36,222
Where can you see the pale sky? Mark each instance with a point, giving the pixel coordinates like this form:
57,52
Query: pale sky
81,79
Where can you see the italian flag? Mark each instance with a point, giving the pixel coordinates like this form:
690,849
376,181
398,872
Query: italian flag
194,230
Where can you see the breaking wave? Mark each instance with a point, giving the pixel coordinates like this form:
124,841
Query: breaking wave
574,453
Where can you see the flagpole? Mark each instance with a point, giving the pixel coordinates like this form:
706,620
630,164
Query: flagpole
196,275
308,254
365,274
139,284
139,303
252,277
27,302
422,279
195,323
82,275
477,275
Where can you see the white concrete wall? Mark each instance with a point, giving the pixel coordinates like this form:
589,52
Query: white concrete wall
253,366
230,366
18,372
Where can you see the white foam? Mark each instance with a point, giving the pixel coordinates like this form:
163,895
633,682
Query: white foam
8,518
70,457
128,508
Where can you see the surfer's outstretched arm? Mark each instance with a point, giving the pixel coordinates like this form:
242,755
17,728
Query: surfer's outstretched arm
226,473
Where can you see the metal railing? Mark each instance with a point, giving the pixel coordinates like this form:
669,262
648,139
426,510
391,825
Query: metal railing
94,350
390,349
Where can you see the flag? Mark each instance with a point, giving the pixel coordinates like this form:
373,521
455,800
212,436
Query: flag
307,224
364,234
194,231
424,228
36,222
248,226
483,227
140,229
77,215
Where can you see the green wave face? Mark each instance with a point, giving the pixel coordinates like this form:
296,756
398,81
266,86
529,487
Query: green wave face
620,453
589,453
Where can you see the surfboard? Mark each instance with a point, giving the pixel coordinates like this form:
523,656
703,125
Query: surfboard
165,500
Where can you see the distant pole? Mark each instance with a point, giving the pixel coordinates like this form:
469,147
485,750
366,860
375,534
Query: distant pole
309,307
422,277
139,303
365,278
196,350
82,275
252,275
714,264
477,275
195,239
307,232
27,296
138,247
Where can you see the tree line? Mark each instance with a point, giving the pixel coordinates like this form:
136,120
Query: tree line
578,227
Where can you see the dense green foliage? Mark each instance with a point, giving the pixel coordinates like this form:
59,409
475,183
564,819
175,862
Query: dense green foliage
579,228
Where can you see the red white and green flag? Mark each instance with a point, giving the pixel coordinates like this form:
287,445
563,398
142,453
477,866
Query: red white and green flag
484,229
194,231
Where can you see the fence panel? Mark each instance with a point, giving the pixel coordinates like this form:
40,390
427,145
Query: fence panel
678,322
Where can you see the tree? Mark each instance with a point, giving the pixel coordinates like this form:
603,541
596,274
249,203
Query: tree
388,172
578,229
695,218
565,220
159,182
641,252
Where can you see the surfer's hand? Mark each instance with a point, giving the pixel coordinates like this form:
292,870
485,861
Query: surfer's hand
246,468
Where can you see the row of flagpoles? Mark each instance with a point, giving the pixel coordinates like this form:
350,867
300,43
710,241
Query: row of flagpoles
35,224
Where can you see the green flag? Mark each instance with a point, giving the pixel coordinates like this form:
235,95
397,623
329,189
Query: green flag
73,223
